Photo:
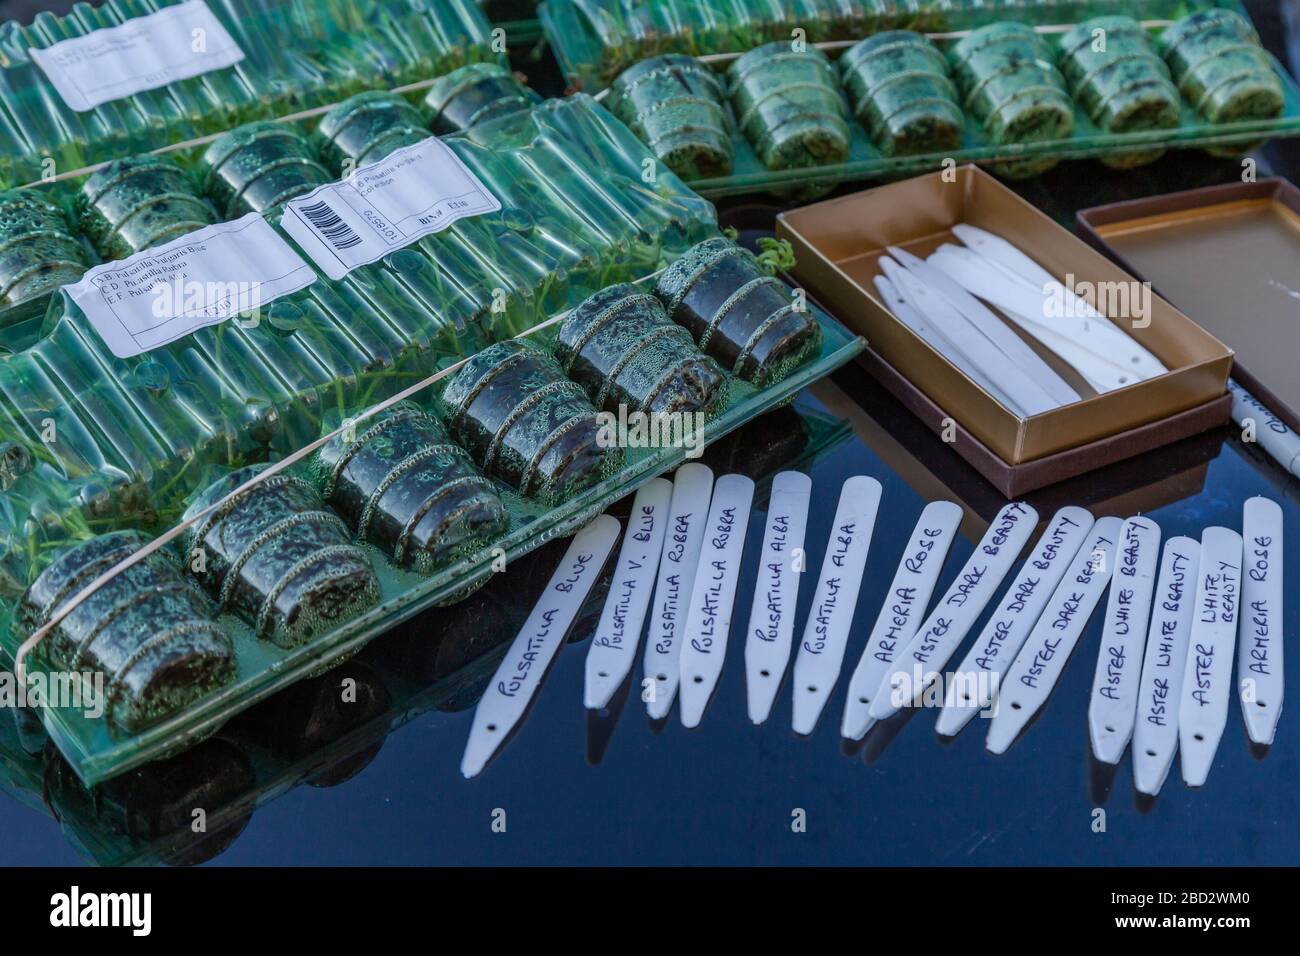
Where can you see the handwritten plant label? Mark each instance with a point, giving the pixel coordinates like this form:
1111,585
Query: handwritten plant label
771,616
1030,678
1112,709
683,539
613,648
918,665
975,682
905,605
1155,737
520,672
826,633
1259,651
1207,673
708,615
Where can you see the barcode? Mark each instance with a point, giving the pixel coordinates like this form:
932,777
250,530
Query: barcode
327,222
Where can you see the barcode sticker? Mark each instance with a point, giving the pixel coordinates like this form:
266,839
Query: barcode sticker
414,191
143,53
202,278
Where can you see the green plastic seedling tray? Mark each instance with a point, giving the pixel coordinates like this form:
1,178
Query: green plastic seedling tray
96,753
23,774
749,175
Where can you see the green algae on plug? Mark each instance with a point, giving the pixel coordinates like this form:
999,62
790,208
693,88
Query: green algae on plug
737,313
899,87
475,94
403,486
135,204
366,128
38,252
275,556
149,631
522,421
621,346
674,104
256,167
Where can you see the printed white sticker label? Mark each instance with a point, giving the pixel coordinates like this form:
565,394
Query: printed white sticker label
201,279
1112,709
1259,651
976,681
683,539
771,616
1155,738
520,672
613,648
410,193
708,616
1207,675
145,53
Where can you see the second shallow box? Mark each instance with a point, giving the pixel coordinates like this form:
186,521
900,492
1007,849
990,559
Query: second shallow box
838,244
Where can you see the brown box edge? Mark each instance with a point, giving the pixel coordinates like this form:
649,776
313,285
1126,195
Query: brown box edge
1014,481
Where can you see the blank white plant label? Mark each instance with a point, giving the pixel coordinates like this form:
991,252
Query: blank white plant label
708,616
771,617
1207,675
821,651
683,539
1040,663
613,647
143,53
1112,708
905,605
1259,657
922,660
1155,737
520,672
975,683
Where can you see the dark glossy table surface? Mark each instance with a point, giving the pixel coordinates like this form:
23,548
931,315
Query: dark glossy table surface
302,781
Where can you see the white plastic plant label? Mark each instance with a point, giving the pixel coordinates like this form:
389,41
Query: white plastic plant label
203,278
919,664
683,539
412,192
975,683
826,632
1155,737
904,608
1112,708
1032,676
614,645
520,672
1259,651
708,616
144,53
1207,674
771,616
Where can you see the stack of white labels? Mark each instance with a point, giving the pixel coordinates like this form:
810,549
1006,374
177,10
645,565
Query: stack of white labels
946,299
1164,672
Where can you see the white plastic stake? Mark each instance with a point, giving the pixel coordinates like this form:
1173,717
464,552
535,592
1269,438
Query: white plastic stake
905,605
613,647
920,662
1207,675
1259,660
683,539
708,615
975,684
520,672
826,633
1155,738
1112,709
776,592
1040,663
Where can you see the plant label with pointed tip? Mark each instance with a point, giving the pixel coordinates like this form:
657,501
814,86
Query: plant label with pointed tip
1259,654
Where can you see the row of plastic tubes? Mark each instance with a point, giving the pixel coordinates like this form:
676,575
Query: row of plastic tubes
1163,676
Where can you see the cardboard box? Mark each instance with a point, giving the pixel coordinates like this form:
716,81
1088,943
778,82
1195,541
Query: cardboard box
1230,257
837,246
